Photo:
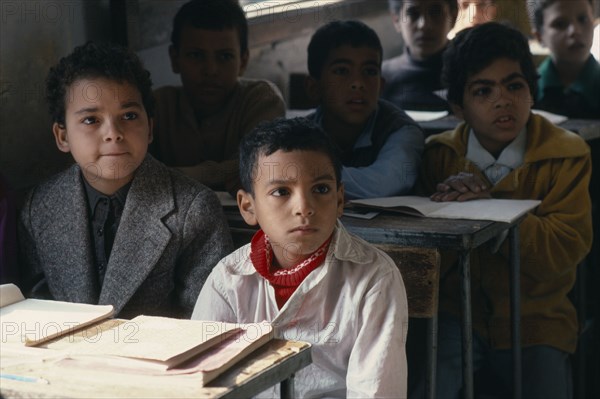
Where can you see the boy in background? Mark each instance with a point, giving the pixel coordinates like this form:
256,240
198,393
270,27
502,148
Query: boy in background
569,80
474,12
199,125
380,145
304,273
502,150
117,227
413,78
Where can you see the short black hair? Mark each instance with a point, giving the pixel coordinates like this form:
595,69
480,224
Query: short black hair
536,11
396,5
336,34
211,15
96,60
474,49
286,135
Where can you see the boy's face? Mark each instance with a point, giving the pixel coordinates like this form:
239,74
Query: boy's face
568,31
496,104
106,130
424,25
209,62
349,85
296,202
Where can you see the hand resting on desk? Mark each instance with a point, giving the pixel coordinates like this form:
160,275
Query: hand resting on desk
461,187
464,187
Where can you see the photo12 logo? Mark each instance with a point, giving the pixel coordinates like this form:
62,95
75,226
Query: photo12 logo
23,12
35,333
30,333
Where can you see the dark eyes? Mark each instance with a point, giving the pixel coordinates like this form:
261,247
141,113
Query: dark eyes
371,71
226,56
344,71
195,55
583,19
130,116
201,56
515,86
279,192
486,91
322,189
562,23
413,14
482,91
433,12
319,189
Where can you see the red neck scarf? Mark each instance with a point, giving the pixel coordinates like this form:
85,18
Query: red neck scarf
284,281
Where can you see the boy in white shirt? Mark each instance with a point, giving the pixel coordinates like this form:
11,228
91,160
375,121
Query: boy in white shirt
306,274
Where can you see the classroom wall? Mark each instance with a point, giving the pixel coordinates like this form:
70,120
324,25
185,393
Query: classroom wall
276,54
33,36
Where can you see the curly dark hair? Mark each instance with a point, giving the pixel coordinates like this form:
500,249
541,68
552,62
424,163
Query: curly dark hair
536,11
474,49
211,15
285,135
336,34
96,60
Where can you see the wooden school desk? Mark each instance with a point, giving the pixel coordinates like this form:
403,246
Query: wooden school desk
462,236
275,362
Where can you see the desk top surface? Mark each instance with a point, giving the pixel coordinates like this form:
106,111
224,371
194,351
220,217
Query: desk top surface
405,230
264,368
388,228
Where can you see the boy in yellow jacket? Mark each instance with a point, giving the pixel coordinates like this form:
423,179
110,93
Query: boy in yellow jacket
504,151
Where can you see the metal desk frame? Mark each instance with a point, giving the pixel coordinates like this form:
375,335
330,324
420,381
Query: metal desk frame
463,236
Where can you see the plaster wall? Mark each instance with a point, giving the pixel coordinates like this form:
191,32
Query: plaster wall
33,36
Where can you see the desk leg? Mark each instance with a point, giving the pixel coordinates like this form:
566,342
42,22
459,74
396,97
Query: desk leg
287,388
467,325
432,334
515,309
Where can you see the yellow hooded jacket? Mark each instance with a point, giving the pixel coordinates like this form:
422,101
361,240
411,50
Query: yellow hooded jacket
554,237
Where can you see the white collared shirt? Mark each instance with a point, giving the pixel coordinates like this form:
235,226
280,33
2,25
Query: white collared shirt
352,309
496,169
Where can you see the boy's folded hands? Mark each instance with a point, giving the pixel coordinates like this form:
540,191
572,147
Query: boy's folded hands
461,187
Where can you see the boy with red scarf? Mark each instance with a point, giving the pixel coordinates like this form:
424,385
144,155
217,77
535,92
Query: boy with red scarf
304,273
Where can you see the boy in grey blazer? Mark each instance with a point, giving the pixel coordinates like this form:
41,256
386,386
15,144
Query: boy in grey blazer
118,227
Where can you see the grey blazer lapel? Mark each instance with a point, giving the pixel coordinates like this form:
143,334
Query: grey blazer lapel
142,237
65,239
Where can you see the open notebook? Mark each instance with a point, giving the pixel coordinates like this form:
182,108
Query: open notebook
31,322
151,345
499,210
83,335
